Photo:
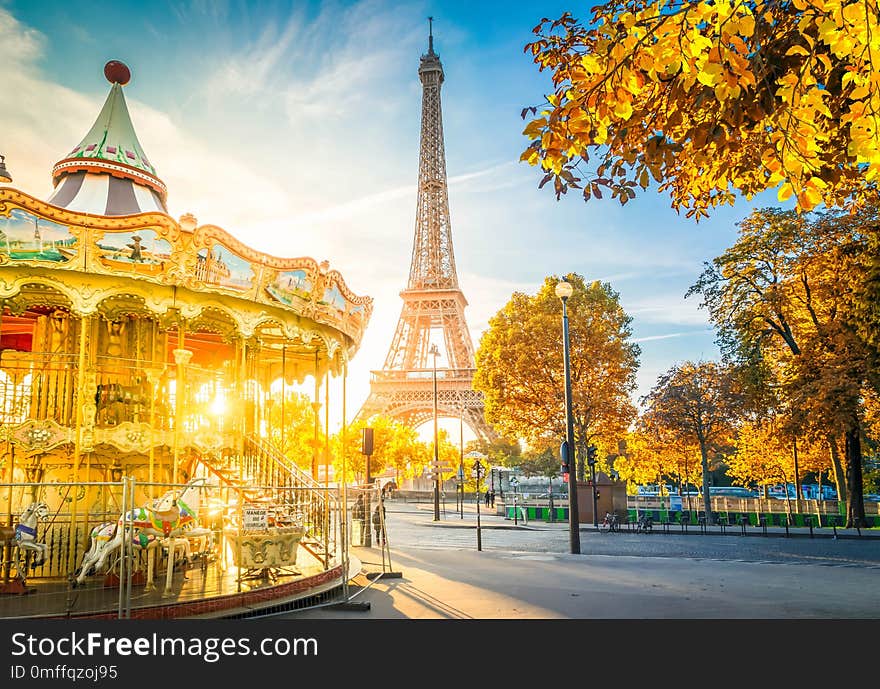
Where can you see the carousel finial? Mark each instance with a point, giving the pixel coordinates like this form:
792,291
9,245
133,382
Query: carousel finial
117,72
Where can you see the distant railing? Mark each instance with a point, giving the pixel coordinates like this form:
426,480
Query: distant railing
422,374
755,505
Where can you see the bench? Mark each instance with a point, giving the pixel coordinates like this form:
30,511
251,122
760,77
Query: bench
684,519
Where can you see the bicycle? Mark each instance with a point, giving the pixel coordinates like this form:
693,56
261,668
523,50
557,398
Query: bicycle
610,522
645,524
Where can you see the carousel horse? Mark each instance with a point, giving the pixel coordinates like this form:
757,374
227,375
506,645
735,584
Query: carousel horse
24,537
99,538
171,516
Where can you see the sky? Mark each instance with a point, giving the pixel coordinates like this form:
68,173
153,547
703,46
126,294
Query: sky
295,127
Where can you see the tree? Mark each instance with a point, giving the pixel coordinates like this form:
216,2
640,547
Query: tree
763,455
520,367
710,98
698,403
784,293
394,445
645,460
294,434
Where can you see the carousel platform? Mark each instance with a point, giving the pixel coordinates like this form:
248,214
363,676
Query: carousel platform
201,590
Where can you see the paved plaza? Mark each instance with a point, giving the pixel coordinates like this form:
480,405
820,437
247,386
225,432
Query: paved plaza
526,571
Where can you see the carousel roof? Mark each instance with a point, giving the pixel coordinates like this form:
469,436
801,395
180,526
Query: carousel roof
108,173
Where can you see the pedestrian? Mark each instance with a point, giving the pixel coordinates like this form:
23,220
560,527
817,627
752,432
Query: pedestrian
359,516
491,498
379,523
488,497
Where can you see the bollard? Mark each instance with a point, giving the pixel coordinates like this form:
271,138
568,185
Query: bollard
785,519
810,524
763,521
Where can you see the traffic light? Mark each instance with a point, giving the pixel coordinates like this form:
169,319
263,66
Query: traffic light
591,455
598,494
564,454
367,442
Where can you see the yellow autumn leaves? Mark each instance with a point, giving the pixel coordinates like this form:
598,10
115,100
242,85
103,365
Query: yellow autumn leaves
746,96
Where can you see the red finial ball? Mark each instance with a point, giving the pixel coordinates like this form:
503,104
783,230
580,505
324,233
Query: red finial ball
117,73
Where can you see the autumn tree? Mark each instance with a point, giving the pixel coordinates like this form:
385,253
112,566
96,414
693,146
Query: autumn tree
394,446
520,367
698,403
654,451
763,455
709,98
291,426
784,293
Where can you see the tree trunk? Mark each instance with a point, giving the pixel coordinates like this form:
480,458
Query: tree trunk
855,506
707,499
837,468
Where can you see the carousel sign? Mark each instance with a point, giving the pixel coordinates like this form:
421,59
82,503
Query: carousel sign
254,518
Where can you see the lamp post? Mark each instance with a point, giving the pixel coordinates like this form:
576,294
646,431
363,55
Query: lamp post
564,290
435,353
461,457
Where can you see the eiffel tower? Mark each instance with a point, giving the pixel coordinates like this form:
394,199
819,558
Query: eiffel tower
432,300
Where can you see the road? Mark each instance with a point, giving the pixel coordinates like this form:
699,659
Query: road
527,572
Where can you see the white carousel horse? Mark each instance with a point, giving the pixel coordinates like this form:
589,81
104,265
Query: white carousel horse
24,537
171,517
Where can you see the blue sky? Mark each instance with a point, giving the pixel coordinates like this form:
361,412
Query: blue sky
295,126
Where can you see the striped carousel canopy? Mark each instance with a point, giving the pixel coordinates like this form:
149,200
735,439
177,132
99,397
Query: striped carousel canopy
108,173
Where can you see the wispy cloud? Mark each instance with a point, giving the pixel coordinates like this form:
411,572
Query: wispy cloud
668,336
667,309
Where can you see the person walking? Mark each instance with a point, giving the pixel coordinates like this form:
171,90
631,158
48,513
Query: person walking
488,497
359,516
379,523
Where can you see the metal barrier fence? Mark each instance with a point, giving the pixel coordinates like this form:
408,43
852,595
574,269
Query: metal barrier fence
367,526
108,548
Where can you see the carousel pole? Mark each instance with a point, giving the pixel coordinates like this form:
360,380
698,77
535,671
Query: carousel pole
181,358
283,395
344,520
240,382
153,379
316,408
7,551
326,510
84,323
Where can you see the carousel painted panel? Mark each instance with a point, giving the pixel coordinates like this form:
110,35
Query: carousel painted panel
291,287
217,266
143,252
27,237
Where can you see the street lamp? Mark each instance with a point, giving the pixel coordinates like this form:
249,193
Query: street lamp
5,177
564,290
461,457
435,353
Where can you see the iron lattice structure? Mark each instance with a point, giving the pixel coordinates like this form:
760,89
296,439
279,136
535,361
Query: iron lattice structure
432,300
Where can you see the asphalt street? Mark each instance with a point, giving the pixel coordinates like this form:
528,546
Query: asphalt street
526,571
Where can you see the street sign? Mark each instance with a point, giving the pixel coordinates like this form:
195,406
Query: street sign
442,467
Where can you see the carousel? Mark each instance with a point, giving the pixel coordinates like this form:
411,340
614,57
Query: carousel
140,358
